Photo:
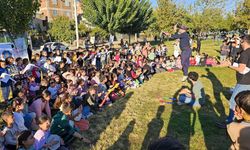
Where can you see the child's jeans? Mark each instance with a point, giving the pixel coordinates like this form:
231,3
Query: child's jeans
86,112
5,92
188,100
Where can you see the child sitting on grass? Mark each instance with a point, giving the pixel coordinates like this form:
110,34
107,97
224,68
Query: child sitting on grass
41,105
196,97
25,141
61,126
239,132
20,118
10,132
44,139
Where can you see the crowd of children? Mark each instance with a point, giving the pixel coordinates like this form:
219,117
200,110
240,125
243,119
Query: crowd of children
55,93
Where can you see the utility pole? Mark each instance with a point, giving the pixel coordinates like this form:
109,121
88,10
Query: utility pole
76,26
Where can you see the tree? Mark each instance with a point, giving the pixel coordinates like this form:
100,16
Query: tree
62,29
206,15
228,24
168,14
242,16
100,32
16,15
122,16
83,29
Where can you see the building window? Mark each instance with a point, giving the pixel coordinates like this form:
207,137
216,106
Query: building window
67,14
54,2
54,12
67,3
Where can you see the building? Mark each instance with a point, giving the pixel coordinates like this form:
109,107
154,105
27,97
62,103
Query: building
53,8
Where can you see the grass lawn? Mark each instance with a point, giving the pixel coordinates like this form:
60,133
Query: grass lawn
137,119
134,121
209,47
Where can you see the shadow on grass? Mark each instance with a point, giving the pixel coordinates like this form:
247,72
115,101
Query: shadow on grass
99,122
154,128
207,117
123,141
217,90
181,125
218,51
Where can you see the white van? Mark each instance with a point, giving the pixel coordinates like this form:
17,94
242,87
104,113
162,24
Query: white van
7,50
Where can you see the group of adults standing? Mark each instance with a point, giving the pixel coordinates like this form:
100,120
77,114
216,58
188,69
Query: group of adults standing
241,66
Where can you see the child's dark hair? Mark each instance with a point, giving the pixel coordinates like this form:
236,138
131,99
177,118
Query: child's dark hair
23,136
46,93
6,114
66,107
193,76
102,78
17,101
42,119
166,143
92,88
243,101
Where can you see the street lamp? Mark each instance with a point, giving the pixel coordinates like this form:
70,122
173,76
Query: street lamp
130,32
76,25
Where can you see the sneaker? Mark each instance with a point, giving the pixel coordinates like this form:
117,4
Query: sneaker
90,114
184,78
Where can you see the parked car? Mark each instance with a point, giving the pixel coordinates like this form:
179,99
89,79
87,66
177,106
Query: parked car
7,50
51,46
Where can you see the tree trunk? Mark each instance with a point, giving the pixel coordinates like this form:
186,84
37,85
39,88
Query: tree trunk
30,41
129,38
136,37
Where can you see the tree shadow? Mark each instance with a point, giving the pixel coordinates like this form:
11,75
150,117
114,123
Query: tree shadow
154,128
207,117
218,51
181,125
124,138
217,90
100,121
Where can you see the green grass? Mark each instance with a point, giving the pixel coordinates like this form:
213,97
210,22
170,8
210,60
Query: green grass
209,47
136,120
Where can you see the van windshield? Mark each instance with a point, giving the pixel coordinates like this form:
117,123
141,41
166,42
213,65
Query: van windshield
6,46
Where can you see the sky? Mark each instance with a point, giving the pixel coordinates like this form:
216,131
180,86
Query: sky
230,4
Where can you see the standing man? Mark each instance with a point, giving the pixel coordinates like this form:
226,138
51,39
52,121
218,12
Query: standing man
242,75
185,48
198,44
29,50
